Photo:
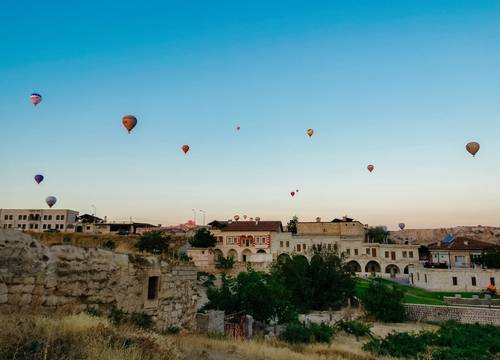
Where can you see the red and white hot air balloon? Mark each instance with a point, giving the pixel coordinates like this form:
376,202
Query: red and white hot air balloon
185,148
370,167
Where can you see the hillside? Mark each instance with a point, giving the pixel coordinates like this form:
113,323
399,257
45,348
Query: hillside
489,234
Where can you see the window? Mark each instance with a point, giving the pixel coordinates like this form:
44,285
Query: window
31,226
36,226
11,217
5,226
231,240
348,251
152,287
473,281
492,281
10,226
49,226
62,217
418,276
25,217
460,259
405,254
368,251
288,244
57,217
355,251
20,217
304,247
425,277
44,217
387,254
411,254
24,226
50,217
44,226
6,217
260,240
455,281
88,227
281,243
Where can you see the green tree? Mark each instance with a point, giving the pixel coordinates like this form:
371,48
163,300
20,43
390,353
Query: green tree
154,242
384,302
254,293
203,239
225,262
292,225
379,234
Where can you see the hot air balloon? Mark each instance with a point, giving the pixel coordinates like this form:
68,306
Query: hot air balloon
292,193
238,128
236,217
244,217
257,218
472,148
297,190
38,178
51,200
185,148
129,121
310,132
35,99
370,167
402,226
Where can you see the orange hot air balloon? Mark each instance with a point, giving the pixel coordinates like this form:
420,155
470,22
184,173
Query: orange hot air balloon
310,132
472,148
129,121
370,167
185,148
292,193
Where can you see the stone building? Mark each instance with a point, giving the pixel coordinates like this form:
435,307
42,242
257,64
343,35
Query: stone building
68,279
37,220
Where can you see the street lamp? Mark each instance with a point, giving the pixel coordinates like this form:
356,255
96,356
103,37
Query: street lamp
203,212
94,217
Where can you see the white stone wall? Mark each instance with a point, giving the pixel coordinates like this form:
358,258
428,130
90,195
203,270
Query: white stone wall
442,279
37,220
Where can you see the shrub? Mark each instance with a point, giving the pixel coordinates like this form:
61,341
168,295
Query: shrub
154,242
173,330
109,244
384,302
203,239
117,316
297,332
356,328
205,278
141,320
66,239
185,257
93,311
225,263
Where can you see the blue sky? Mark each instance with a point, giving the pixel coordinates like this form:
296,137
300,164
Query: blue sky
402,85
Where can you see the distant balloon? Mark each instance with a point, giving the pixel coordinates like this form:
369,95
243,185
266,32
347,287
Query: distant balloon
297,190
402,226
38,178
129,121
244,217
236,217
238,128
472,148
370,167
310,132
35,99
185,148
51,200
292,193
257,218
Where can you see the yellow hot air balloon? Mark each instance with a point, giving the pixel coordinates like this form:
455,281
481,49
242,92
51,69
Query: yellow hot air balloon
472,148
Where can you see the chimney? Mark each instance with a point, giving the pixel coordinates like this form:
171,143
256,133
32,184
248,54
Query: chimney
318,219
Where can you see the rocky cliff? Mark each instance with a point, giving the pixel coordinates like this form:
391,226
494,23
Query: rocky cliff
426,236
65,278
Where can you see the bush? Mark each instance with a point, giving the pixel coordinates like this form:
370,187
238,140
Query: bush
452,341
205,278
356,328
117,316
185,257
384,302
154,242
109,244
93,311
203,239
225,263
297,332
141,320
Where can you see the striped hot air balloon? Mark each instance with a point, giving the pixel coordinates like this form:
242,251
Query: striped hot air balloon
35,99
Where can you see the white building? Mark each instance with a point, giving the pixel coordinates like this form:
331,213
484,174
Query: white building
37,220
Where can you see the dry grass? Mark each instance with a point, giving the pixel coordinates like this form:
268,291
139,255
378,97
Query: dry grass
198,347
78,337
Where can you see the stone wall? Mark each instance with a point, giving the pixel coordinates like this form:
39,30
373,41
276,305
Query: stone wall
68,279
465,315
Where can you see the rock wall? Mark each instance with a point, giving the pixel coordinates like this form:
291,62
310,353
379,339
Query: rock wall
465,315
67,279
